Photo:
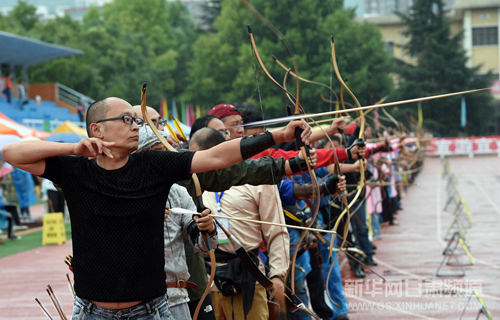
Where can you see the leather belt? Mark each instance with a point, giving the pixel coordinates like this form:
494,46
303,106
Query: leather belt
181,284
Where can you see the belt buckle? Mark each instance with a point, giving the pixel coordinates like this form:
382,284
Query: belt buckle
179,284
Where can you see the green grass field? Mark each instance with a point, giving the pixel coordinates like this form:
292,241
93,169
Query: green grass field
29,241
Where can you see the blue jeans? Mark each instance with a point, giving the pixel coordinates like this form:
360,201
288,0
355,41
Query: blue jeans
302,261
156,309
376,219
334,284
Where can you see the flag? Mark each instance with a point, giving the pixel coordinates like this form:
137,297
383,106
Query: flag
463,113
191,115
188,116
174,109
164,109
198,111
183,112
420,115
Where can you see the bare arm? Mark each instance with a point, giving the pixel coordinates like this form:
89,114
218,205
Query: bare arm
346,167
318,134
228,153
30,155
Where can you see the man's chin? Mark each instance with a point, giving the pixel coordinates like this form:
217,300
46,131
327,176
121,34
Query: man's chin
133,146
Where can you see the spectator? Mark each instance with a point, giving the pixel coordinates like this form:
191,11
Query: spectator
81,109
21,92
8,89
55,197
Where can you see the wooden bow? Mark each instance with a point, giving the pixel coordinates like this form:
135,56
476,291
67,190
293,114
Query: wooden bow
198,194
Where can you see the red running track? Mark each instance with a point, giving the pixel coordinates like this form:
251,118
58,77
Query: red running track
408,256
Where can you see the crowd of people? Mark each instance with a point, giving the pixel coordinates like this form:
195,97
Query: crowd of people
6,89
146,221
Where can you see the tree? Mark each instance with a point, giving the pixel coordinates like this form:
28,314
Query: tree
211,9
222,70
125,44
25,15
440,68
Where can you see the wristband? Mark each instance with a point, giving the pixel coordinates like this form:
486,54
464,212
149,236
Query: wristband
250,146
297,164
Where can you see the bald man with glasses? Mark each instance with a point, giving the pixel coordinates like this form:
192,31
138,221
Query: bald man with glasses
117,204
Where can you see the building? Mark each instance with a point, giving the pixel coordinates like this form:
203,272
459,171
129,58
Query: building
479,20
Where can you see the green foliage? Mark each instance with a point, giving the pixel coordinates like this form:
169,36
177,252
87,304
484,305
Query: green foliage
129,42
440,68
222,69
24,15
211,9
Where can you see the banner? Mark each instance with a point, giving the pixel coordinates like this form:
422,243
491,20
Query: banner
464,146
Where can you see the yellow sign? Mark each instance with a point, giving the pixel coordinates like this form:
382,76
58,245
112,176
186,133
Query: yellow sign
53,228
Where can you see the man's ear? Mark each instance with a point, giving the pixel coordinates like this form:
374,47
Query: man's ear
95,130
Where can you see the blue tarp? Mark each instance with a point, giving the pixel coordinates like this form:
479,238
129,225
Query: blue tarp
25,188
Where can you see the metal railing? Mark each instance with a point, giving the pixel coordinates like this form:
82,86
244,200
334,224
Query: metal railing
39,124
71,96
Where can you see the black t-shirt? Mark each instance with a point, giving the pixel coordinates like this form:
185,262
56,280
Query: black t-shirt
117,222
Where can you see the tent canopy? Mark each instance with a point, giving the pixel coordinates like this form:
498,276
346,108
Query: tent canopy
23,51
68,126
9,126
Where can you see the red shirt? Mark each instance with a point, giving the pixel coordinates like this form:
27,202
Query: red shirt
325,157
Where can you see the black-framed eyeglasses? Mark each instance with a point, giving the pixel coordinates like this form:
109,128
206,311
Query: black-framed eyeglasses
160,122
126,119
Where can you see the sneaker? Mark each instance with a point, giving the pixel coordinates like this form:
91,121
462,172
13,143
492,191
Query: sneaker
342,317
21,227
358,272
377,237
15,238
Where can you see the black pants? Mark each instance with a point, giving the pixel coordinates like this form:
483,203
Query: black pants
388,209
57,200
11,226
12,209
316,286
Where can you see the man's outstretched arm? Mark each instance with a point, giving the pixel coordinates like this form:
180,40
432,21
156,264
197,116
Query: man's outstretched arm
230,152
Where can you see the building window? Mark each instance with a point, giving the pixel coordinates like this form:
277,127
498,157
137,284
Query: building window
389,47
484,36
